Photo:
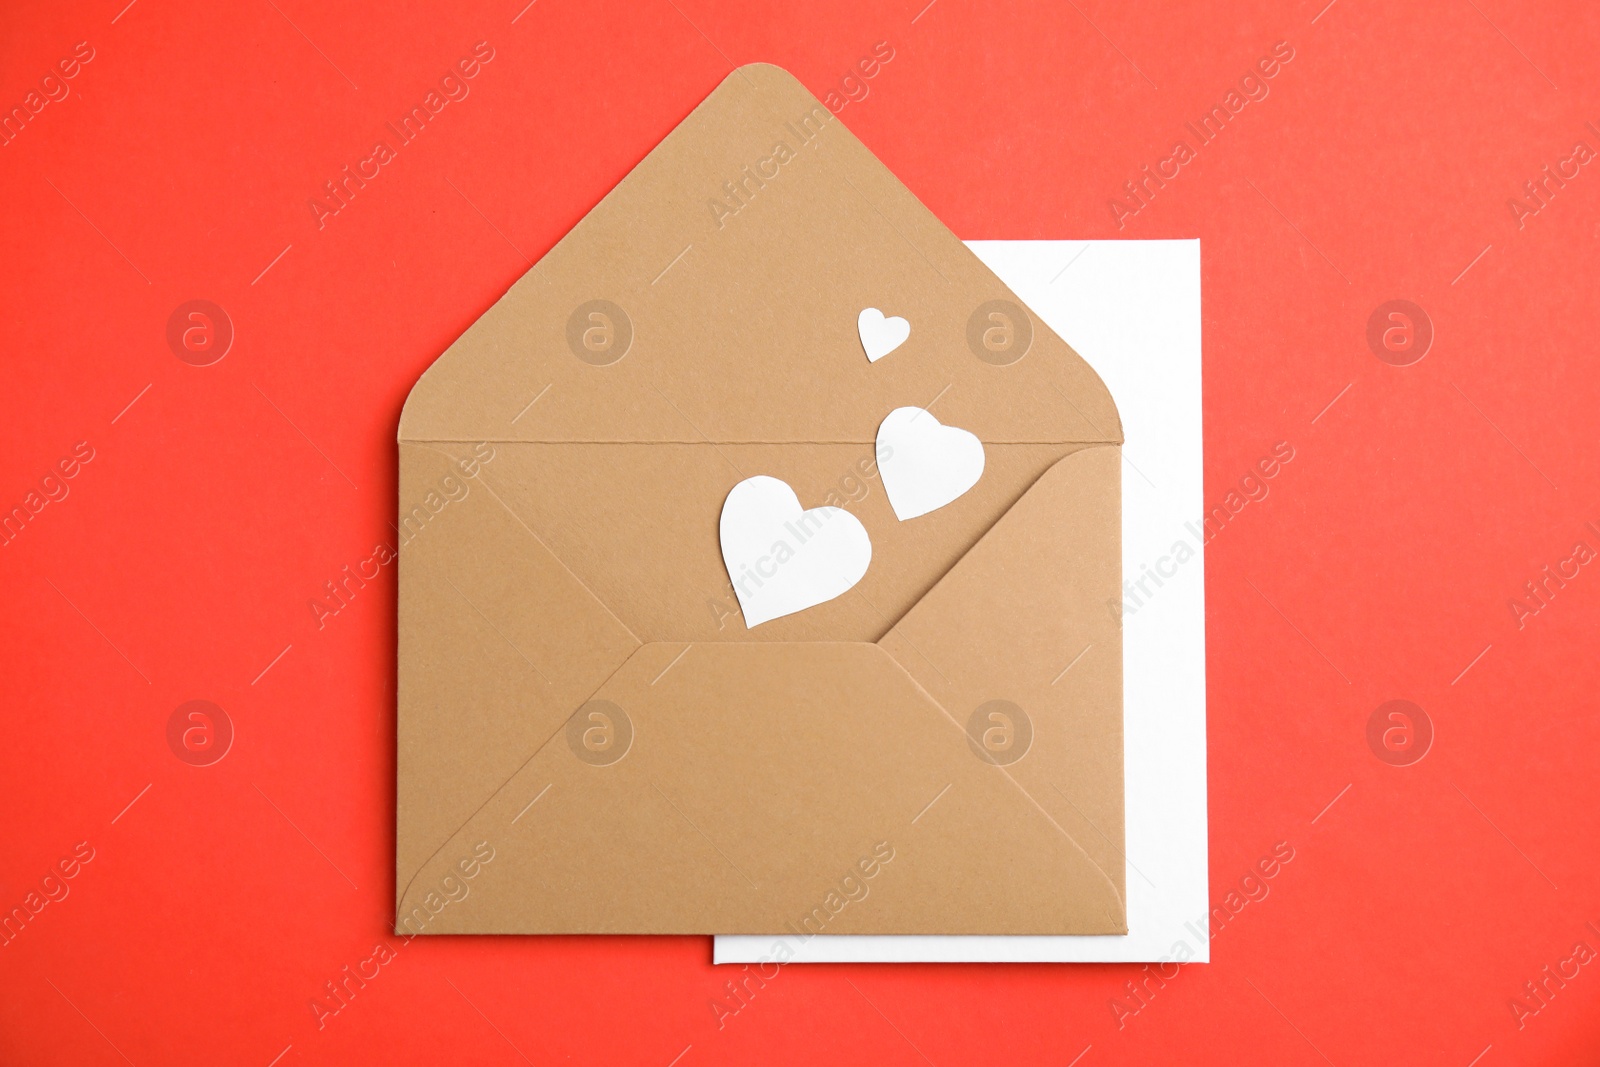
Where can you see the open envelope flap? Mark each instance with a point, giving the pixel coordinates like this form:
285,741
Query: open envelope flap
762,788
713,295
482,680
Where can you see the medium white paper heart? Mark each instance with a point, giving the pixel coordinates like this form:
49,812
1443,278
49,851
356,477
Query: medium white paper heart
880,335
781,559
924,464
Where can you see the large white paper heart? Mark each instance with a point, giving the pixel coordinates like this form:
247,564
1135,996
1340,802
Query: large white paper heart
781,559
924,464
880,335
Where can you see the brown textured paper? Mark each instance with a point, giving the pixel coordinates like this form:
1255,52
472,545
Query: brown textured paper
590,740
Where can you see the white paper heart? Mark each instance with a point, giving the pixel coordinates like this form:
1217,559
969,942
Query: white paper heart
781,559
880,335
925,465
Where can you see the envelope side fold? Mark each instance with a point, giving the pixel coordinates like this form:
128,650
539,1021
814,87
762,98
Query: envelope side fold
482,681
1022,641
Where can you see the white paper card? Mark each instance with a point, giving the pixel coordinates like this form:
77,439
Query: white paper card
1132,309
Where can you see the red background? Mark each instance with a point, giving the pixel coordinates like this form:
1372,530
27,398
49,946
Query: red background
1382,563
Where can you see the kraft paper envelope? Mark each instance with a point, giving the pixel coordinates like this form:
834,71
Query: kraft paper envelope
590,738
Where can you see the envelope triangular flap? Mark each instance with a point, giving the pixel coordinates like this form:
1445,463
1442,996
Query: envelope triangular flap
754,777
713,295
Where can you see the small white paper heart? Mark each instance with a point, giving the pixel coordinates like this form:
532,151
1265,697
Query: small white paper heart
925,465
880,335
781,559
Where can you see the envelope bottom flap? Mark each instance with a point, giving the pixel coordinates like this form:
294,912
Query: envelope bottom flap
762,788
